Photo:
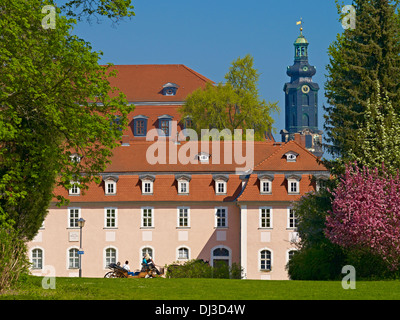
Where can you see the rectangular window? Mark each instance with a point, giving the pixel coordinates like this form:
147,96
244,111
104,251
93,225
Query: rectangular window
74,189
147,217
73,259
221,187
148,187
265,218
111,187
183,217
293,187
265,186
292,219
73,216
37,259
183,187
110,218
221,218
164,126
140,128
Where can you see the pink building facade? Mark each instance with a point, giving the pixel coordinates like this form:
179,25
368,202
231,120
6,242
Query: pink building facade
198,207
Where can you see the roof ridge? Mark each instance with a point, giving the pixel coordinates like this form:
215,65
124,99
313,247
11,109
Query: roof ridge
259,164
204,78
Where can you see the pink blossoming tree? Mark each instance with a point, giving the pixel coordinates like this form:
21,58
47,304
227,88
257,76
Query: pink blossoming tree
365,213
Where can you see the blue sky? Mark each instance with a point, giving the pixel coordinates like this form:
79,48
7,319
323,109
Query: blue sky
208,35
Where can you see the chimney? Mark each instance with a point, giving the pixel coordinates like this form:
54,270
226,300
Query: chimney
300,139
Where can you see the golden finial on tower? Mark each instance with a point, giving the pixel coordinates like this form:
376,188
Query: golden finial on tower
301,25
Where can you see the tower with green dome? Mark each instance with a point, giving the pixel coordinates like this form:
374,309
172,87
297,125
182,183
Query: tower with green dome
301,99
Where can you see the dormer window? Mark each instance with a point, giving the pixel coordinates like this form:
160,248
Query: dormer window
291,156
147,184
183,183
293,185
75,158
169,89
140,125
203,157
74,190
220,184
110,185
164,125
266,183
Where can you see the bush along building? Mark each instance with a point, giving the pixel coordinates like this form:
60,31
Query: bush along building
179,200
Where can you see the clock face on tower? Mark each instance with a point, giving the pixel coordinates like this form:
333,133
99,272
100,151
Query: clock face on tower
305,89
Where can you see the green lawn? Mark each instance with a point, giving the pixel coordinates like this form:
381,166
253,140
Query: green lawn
201,289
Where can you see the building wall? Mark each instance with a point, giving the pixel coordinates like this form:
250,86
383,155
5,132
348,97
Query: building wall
278,239
129,237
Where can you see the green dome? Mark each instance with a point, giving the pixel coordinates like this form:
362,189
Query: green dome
301,39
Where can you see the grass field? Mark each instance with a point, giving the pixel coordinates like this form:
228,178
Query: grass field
201,289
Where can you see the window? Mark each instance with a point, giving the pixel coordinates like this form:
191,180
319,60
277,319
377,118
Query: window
293,186
292,219
220,256
111,187
220,187
147,218
183,187
291,253
140,126
291,156
265,217
73,259
75,190
266,186
110,218
183,253
75,157
221,218
73,216
265,260
147,250
110,256
169,89
37,259
147,187
183,217
164,126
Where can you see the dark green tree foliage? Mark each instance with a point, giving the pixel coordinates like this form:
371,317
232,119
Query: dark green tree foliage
55,101
359,58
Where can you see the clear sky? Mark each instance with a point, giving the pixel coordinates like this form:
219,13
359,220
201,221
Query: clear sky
208,35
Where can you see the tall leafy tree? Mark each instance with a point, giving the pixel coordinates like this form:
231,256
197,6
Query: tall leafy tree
56,102
235,104
378,141
358,58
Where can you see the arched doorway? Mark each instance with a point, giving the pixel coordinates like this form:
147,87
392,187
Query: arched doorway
221,255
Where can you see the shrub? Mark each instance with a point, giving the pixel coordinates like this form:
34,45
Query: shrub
13,258
197,268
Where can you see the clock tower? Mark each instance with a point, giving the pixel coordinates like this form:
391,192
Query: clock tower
301,100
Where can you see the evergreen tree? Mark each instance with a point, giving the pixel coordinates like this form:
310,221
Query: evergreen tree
358,58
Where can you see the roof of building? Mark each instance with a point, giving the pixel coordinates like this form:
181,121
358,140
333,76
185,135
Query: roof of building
144,83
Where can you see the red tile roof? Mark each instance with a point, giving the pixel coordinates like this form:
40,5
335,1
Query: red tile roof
144,83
